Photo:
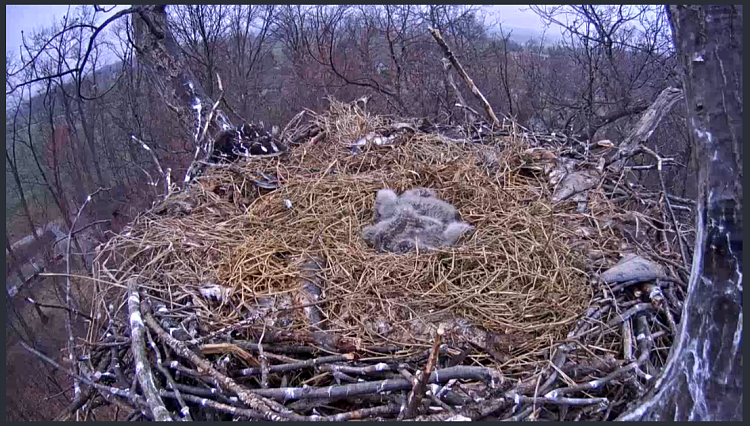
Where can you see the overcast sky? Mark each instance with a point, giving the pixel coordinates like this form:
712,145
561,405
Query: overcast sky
35,17
30,18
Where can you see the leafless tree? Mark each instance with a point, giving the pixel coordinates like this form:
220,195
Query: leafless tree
616,69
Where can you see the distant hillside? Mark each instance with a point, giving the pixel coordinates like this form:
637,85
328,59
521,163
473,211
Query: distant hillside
522,35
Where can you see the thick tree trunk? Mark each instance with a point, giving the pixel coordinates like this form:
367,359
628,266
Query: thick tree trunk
703,376
160,54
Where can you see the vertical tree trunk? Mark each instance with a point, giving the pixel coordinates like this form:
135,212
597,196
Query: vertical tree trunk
164,61
703,376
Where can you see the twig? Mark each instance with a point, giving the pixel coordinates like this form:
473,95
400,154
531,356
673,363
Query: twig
520,416
89,225
656,295
142,365
452,58
560,400
641,307
598,383
200,136
492,377
116,367
369,370
226,330
207,392
68,300
211,113
659,165
645,126
125,393
218,406
459,97
45,305
352,415
254,371
182,370
85,397
645,343
263,360
156,160
364,413
240,348
627,340
420,380
184,411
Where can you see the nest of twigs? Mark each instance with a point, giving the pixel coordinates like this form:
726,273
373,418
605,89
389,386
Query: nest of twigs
262,301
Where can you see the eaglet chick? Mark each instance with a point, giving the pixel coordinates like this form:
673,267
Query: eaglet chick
417,219
424,201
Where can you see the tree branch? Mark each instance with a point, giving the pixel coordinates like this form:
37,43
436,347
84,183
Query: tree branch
452,58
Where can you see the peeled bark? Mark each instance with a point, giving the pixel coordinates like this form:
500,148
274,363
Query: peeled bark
703,376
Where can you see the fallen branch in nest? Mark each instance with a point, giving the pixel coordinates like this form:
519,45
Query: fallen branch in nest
489,376
645,127
420,380
362,371
469,82
254,371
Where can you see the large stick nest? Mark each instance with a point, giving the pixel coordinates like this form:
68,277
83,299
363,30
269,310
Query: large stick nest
270,248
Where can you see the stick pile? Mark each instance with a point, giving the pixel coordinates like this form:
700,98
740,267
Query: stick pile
260,300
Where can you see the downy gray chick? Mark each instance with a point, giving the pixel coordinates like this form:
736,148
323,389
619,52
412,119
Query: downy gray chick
426,241
400,228
424,201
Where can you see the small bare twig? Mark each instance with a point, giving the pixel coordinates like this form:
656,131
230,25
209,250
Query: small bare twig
68,298
156,161
254,371
659,166
184,411
263,360
420,380
45,305
226,330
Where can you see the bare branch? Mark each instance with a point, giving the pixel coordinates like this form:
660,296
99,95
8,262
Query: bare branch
469,82
142,365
